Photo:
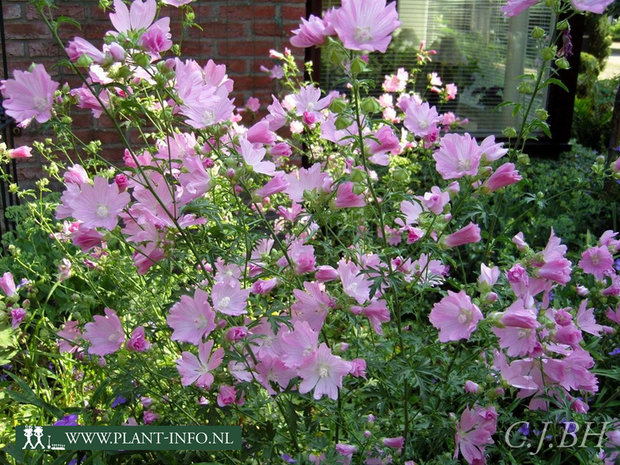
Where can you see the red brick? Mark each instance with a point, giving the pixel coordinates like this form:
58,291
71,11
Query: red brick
34,30
11,11
236,48
235,66
293,12
197,48
268,29
246,10
223,30
41,48
15,49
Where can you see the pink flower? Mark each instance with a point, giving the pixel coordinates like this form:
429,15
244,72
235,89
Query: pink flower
471,387
311,306
299,344
365,24
17,316
139,16
301,256
451,90
191,318
76,174
149,417
323,372
7,284
473,433
86,238
358,368
503,176
100,204
198,369
516,7
260,133
20,152
253,157
421,119
492,151
227,395
458,156
597,261
593,6
326,273
105,334
394,443
346,198
466,235
277,184
229,299
455,316
310,32
264,286
30,95
587,322
354,283
156,39
396,82
70,335
555,267
435,200
613,315
137,342
177,3
79,46
377,313
488,275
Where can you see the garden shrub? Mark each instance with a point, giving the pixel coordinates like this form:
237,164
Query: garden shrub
397,299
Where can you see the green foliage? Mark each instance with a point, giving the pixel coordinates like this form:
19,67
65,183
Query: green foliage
597,37
594,112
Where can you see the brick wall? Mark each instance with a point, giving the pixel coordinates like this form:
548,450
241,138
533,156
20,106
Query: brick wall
238,33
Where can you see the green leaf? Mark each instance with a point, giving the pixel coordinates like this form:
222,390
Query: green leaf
557,82
66,19
29,397
6,336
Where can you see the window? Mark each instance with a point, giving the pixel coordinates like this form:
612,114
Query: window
478,49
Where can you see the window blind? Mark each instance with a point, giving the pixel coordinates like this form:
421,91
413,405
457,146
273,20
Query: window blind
478,49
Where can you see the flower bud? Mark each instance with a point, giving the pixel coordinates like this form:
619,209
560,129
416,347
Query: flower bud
562,63
538,32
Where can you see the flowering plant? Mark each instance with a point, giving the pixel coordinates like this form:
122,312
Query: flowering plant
284,276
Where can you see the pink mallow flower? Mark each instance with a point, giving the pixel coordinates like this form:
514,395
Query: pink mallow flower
593,6
503,176
355,283
69,336
323,372
191,318
20,152
455,316
466,235
99,205
17,316
229,299
198,369
421,119
311,32
365,24
137,342
458,156
311,306
516,7
473,433
105,334
227,395
7,284
597,261
30,95
139,16
346,198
